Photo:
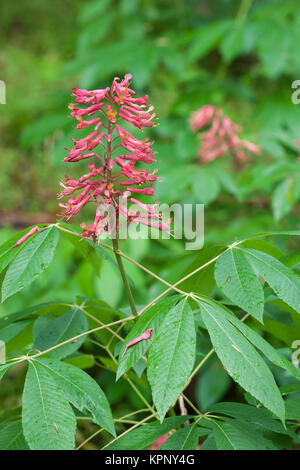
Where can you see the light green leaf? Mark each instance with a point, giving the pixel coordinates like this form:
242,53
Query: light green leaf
236,435
236,278
232,44
82,361
145,435
67,326
11,436
211,385
284,197
49,422
8,251
12,330
249,413
205,185
290,388
291,260
186,438
259,342
172,356
81,390
241,360
32,260
90,10
265,246
30,312
152,318
284,282
292,409
209,443
207,37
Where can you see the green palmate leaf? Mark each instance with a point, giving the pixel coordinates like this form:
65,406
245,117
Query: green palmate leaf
288,389
236,435
81,390
292,408
209,443
236,278
207,38
36,131
291,260
82,361
30,262
284,282
232,44
57,331
271,353
186,438
152,318
212,385
265,246
241,360
49,422
172,356
17,344
8,251
12,330
94,32
205,185
284,197
248,414
145,435
31,312
11,436
90,10
272,312
203,280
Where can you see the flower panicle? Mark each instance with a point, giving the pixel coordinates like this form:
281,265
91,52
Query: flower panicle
220,136
113,174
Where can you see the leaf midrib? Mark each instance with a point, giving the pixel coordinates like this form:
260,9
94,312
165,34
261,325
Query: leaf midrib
42,401
33,253
229,337
275,268
177,336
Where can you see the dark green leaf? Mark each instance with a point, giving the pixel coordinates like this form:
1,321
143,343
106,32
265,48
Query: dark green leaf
172,356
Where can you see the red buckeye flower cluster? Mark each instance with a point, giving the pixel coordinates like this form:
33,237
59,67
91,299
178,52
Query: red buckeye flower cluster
221,136
114,173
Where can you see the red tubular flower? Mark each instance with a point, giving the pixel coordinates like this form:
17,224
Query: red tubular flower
160,441
26,236
220,137
116,177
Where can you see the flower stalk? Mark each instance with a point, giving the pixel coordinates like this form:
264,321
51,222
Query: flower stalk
124,277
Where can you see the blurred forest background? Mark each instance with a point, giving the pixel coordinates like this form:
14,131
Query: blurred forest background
240,56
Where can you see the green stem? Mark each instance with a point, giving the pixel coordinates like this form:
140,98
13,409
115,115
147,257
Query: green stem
124,277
